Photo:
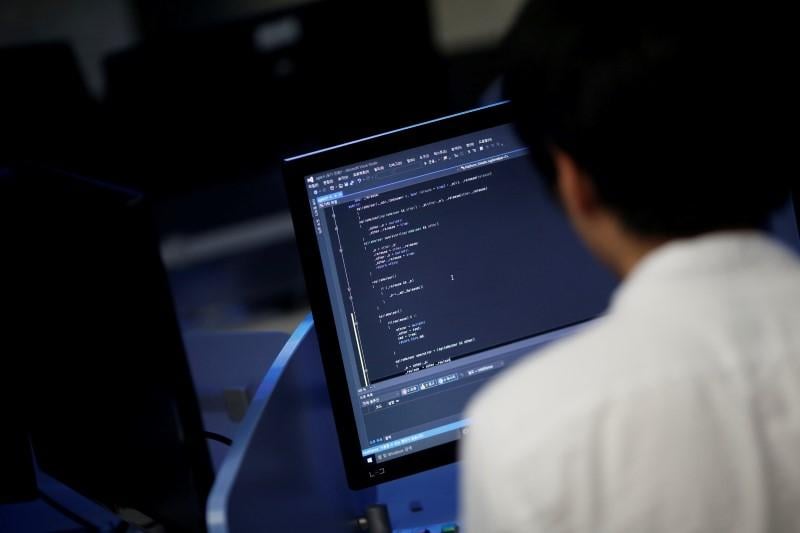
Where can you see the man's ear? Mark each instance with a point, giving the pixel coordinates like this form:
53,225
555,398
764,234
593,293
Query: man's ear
575,190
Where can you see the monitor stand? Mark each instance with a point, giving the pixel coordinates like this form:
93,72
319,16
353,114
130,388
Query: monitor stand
284,471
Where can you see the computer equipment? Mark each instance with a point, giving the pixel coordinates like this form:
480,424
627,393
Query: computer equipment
100,377
434,258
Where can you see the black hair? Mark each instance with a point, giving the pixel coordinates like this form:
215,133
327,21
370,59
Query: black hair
671,109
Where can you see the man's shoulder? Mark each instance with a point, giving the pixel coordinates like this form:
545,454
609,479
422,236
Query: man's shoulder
576,373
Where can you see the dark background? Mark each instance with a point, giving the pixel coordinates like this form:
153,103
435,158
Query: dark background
197,102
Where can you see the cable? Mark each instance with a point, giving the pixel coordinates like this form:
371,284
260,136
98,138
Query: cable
210,435
67,512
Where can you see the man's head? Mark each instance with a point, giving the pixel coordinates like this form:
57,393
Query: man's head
652,119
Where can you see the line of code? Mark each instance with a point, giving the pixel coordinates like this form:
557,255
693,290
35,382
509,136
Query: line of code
448,267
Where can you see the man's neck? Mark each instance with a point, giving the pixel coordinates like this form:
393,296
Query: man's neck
623,250
633,253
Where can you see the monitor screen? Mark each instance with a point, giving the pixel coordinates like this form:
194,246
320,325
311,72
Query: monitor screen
443,259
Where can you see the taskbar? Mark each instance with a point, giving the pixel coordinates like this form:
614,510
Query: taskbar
416,442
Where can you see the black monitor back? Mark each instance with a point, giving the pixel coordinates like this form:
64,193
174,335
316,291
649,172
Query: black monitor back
102,379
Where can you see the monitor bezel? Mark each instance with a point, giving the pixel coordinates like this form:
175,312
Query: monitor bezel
359,473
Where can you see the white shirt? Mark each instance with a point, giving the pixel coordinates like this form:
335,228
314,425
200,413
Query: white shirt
677,412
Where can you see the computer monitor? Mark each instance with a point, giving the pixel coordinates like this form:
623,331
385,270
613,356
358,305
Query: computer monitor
434,259
100,376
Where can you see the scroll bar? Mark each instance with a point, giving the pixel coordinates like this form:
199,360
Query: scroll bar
360,352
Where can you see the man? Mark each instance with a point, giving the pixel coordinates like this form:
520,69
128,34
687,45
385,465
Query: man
679,410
